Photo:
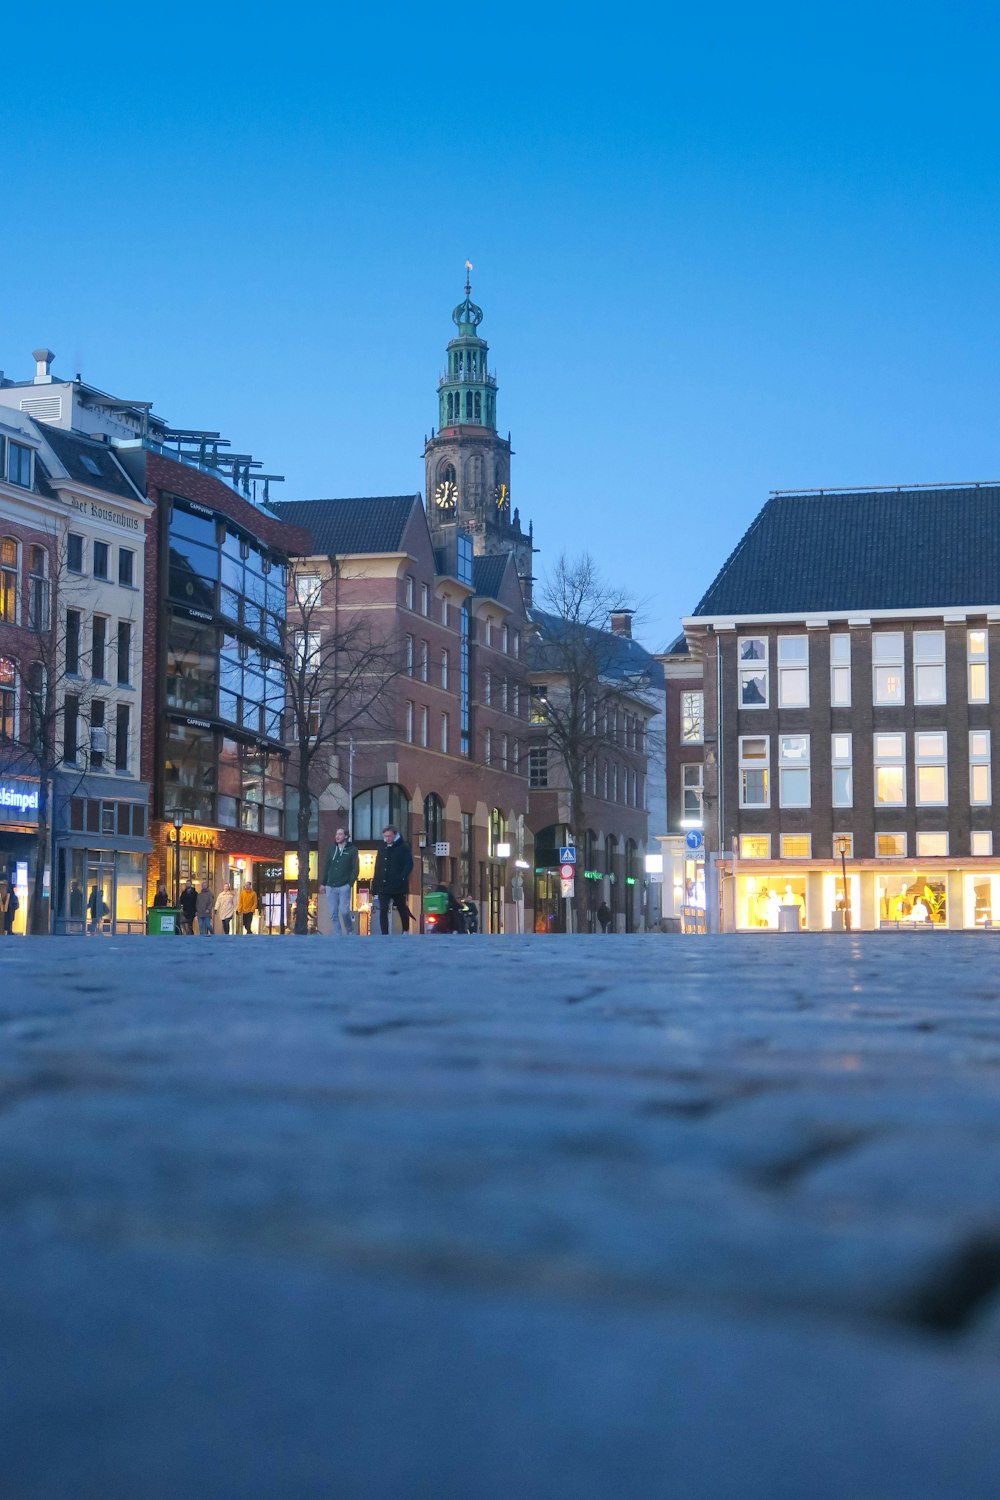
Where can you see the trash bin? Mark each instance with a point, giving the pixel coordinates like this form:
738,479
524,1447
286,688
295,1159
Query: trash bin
163,919
837,923
788,919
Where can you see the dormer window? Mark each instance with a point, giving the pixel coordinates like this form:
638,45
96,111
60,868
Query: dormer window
19,464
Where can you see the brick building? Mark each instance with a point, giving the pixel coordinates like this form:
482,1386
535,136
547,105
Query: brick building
851,656
682,844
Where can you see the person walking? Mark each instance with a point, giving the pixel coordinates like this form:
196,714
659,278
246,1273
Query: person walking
162,897
225,907
470,913
97,907
189,908
8,909
204,909
339,876
604,915
246,906
391,881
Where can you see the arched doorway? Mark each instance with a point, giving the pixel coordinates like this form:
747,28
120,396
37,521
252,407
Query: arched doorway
496,869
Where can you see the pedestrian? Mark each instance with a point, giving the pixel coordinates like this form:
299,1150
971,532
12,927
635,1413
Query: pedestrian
8,908
204,909
225,906
246,906
339,877
444,914
161,898
189,908
604,915
97,907
470,913
391,881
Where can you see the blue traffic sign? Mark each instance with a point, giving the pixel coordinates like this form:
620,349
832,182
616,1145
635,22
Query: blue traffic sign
567,854
693,839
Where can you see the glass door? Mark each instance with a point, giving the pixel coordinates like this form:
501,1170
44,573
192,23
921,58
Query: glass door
100,895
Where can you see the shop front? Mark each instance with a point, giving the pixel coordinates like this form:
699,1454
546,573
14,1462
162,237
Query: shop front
219,857
101,854
879,894
19,803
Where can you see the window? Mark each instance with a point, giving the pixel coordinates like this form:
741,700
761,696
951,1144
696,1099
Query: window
930,755
98,735
488,747
306,646
755,846
793,770
122,715
8,698
504,746
980,778
444,734
505,640
515,640
408,654
793,671
932,844
126,568
9,553
423,726
425,661
755,788
796,846
978,652
408,587
409,723
425,599
840,670
308,587
73,642
38,589
692,788
753,671
538,766
982,842
887,667
692,718
19,464
124,653
101,554
890,845
37,705
487,688
515,757
515,699
444,669
928,666
848,839
842,770
890,770
98,648
74,553
538,698
71,728
444,611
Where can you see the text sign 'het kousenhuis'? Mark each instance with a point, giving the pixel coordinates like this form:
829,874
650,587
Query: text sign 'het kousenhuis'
109,513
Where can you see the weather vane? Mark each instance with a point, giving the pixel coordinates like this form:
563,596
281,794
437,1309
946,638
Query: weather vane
468,275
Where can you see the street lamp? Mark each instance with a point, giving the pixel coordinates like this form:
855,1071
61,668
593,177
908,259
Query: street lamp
842,851
178,825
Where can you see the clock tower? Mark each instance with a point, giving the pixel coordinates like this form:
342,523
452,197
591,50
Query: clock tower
467,463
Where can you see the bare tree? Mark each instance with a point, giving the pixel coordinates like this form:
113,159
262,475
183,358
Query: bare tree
339,672
591,681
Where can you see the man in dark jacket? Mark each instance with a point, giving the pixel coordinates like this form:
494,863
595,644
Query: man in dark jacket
339,877
391,882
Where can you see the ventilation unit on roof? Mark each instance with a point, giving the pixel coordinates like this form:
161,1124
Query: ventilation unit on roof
42,408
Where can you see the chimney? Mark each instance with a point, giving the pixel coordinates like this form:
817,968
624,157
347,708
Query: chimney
43,366
621,622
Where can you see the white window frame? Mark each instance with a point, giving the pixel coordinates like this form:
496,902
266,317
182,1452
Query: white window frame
978,664
538,766
425,726
896,853
445,665
408,588
984,836
792,665
425,661
692,718
929,654
842,759
755,763
888,655
794,764
692,794
840,669
308,589
924,758
921,850
408,656
752,666
444,734
980,757
409,722
784,851
887,759
764,838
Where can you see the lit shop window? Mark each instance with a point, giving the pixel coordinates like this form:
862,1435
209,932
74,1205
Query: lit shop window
930,754
887,667
753,671
890,770
928,666
793,671
840,670
978,651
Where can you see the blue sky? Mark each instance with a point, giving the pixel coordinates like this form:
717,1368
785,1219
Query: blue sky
718,253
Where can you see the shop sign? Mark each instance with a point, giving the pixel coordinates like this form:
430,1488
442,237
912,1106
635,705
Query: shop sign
272,872
113,516
19,801
193,837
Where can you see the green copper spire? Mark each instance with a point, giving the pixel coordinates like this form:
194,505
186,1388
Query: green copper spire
467,393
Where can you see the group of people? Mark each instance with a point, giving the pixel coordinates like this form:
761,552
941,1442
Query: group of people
201,910
390,886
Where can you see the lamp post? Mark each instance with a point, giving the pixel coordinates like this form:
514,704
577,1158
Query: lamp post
842,851
178,825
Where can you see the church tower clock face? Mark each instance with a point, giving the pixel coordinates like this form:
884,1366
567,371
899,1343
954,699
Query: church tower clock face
446,497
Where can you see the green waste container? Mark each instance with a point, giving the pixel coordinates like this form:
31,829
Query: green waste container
163,919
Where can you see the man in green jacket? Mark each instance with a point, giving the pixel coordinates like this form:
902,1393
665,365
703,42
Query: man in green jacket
339,876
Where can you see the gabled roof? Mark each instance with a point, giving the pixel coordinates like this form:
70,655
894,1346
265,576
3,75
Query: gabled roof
828,551
363,525
81,456
487,574
620,658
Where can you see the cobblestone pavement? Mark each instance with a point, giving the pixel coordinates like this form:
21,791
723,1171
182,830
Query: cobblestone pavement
702,1219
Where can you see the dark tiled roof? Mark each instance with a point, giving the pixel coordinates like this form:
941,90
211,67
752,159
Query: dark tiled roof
487,574
375,523
679,647
864,550
80,455
620,657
